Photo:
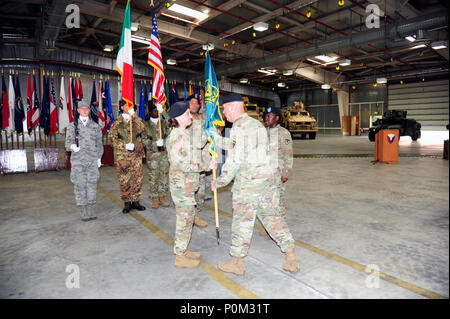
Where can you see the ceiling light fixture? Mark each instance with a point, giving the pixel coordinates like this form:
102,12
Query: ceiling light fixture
268,72
281,84
171,61
108,48
418,46
411,38
208,46
325,58
243,80
134,26
260,26
188,11
439,45
381,80
139,39
325,86
345,62
288,72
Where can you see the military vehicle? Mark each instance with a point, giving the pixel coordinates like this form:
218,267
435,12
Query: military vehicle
298,121
253,110
396,119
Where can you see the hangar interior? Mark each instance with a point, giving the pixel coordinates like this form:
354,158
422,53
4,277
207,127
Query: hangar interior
362,229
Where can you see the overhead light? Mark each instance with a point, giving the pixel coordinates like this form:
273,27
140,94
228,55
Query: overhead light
208,46
439,45
288,72
345,62
171,61
381,80
418,46
188,11
411,38
108,48
134,26
325,86
243,80
139,39
325,58
281,84
260,26
268,72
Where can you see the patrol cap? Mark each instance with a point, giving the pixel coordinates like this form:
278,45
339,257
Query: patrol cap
83,103
178,108
192,96
232,97
273,110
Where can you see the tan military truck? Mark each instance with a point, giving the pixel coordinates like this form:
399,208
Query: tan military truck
298,121
253,110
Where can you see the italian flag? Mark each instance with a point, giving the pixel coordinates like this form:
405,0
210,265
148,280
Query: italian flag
124,62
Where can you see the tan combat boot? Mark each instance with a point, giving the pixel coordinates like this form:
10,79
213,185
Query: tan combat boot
291,264
155,202
199,222
193,254
163,202
183,261
234,266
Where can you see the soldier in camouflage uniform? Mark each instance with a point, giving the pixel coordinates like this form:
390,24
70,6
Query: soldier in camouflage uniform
184,174
281,152
199,143
157,160
129,155
255,189
85,159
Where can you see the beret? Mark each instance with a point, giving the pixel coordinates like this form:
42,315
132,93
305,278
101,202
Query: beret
232,97
178,108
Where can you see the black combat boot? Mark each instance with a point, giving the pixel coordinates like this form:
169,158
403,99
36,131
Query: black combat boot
127,208
136,205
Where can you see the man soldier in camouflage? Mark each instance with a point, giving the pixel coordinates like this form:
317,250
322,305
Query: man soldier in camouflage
84,140
128,142
199,141
157,160
255,189
281,152
184,175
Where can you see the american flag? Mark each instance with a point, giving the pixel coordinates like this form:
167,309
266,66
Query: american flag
155,60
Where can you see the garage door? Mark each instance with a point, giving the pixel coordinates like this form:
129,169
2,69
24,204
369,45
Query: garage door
426,102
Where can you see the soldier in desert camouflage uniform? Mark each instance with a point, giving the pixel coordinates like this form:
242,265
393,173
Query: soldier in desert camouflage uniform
157,160
129,155
281,152
184,176
255,189
85,160
199,143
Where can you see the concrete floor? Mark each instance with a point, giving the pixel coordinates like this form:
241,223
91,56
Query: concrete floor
344,212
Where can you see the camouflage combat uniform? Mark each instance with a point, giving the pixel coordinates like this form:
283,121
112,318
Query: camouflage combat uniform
184,174
281,147
158,161
84,172
199,142
256,186
129,164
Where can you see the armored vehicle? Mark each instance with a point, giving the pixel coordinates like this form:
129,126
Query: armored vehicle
253,110
298,121
396,119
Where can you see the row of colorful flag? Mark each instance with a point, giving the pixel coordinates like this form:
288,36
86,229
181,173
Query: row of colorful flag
19,116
